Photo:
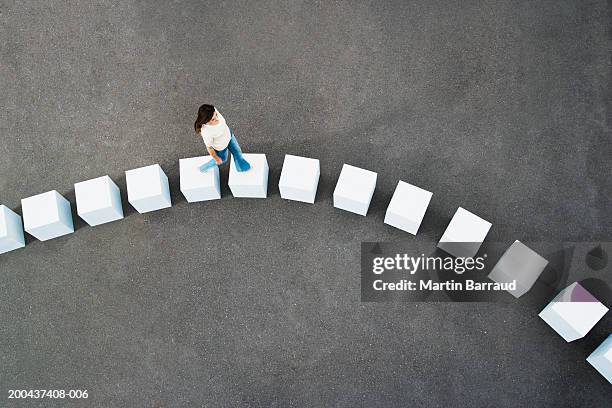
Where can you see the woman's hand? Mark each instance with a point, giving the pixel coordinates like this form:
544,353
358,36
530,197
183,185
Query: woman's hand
214,155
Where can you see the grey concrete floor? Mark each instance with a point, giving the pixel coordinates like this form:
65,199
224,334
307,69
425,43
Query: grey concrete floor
502,107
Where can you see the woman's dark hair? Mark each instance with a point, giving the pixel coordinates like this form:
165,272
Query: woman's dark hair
205,113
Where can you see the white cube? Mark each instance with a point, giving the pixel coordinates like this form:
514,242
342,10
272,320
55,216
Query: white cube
197,185
148,188
354,189
252,183
98,200
573,312
521,264
299,179
464,234
11,230
601,359
407,207
47,215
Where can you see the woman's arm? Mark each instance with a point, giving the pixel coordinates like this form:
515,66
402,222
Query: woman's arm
213,154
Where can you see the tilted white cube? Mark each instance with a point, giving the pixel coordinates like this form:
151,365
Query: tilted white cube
47,215
464,234
11,230
197,185
573,312
252,183
407,207
601,359
521,264
148,188
299,178
98,200
354,189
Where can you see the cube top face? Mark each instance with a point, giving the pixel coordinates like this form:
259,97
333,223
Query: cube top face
580,317
257,175
192,177
519,263
356,183
299,172
519,256
41,209
466,227
144,182
94,194
409,199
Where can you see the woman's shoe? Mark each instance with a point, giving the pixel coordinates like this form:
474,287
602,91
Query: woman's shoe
208,165
242,165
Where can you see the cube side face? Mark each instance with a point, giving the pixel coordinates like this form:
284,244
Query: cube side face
165,186
581,316
7,245
246,191
604,367
294,194
102,216
65,213
146,205
604,350
50,231
116,199
402,223
202,194
264,190
162,175
501,276
15,228
4,220
558,324
11,230
346,204
460,249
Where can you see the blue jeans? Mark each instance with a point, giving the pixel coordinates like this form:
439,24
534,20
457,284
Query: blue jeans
234,148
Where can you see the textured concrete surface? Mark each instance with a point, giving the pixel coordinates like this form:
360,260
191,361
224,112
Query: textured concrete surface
502,107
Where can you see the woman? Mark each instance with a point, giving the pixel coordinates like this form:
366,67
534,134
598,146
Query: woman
219,139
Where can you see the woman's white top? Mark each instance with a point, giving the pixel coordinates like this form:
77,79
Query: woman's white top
216,136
